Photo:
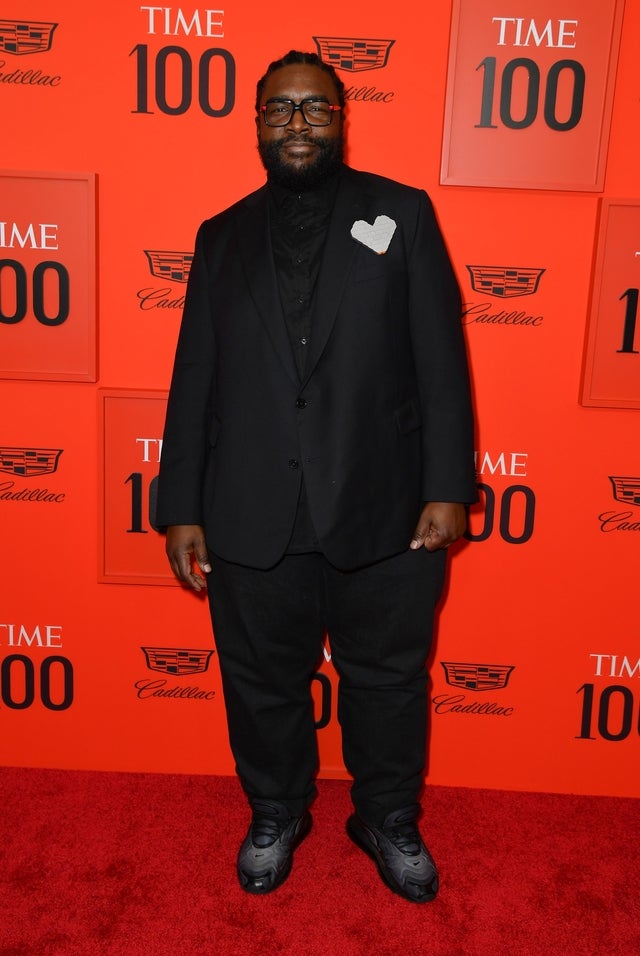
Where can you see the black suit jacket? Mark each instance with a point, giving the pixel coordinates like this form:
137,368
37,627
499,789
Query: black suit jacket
381,421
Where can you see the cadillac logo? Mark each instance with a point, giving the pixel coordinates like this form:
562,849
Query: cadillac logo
355,55
177,660
27,462
25,36
504,281
477,676
169,265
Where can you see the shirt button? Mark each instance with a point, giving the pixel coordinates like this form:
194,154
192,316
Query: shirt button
301,403
303,341
293,463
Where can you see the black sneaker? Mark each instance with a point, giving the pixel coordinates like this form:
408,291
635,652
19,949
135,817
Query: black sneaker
266,854
403,860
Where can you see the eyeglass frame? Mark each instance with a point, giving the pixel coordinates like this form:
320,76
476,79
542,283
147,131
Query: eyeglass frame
298,106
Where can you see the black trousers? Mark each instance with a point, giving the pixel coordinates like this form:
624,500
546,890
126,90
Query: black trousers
269,628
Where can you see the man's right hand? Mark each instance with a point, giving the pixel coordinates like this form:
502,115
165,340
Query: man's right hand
186,550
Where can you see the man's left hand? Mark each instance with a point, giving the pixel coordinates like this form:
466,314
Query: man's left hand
439,525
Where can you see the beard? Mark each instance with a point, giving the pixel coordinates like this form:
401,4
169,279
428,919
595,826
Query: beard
328,161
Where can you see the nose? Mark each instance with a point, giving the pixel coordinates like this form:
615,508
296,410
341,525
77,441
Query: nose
297,121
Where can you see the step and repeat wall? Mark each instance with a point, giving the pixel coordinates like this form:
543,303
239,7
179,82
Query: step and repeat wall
125,125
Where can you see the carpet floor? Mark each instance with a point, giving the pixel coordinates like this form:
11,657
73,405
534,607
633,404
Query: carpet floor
144,865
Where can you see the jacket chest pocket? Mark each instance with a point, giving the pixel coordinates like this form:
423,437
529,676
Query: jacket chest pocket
407,417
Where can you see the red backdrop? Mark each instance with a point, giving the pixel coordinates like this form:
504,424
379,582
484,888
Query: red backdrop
104,663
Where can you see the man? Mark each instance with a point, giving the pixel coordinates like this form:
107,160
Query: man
316,463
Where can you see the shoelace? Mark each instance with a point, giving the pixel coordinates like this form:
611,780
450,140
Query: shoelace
405,837
265,831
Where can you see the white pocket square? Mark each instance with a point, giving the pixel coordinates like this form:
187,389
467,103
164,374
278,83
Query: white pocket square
376,236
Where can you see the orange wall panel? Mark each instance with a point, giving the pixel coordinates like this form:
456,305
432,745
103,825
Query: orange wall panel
104,663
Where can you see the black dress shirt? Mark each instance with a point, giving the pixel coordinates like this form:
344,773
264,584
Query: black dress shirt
299,222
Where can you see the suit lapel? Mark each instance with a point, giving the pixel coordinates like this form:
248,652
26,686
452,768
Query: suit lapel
259,269
337,258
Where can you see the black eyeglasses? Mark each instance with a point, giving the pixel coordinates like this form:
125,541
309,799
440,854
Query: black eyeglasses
315,112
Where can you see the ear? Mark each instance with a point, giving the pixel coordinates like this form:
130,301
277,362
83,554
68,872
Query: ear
258,125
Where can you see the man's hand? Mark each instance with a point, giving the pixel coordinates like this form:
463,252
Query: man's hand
186,550
439,525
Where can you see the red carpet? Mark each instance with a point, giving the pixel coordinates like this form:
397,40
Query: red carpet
98,863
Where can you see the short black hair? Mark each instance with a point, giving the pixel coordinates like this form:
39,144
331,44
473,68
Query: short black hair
294,58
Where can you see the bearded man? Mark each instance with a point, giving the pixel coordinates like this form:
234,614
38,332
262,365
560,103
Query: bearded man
316,464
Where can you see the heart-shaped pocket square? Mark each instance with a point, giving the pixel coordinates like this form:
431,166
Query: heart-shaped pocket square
376,236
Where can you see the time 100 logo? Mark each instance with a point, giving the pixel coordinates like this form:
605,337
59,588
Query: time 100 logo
172,78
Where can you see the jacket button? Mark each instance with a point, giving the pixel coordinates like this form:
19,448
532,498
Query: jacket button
293,463
301,403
